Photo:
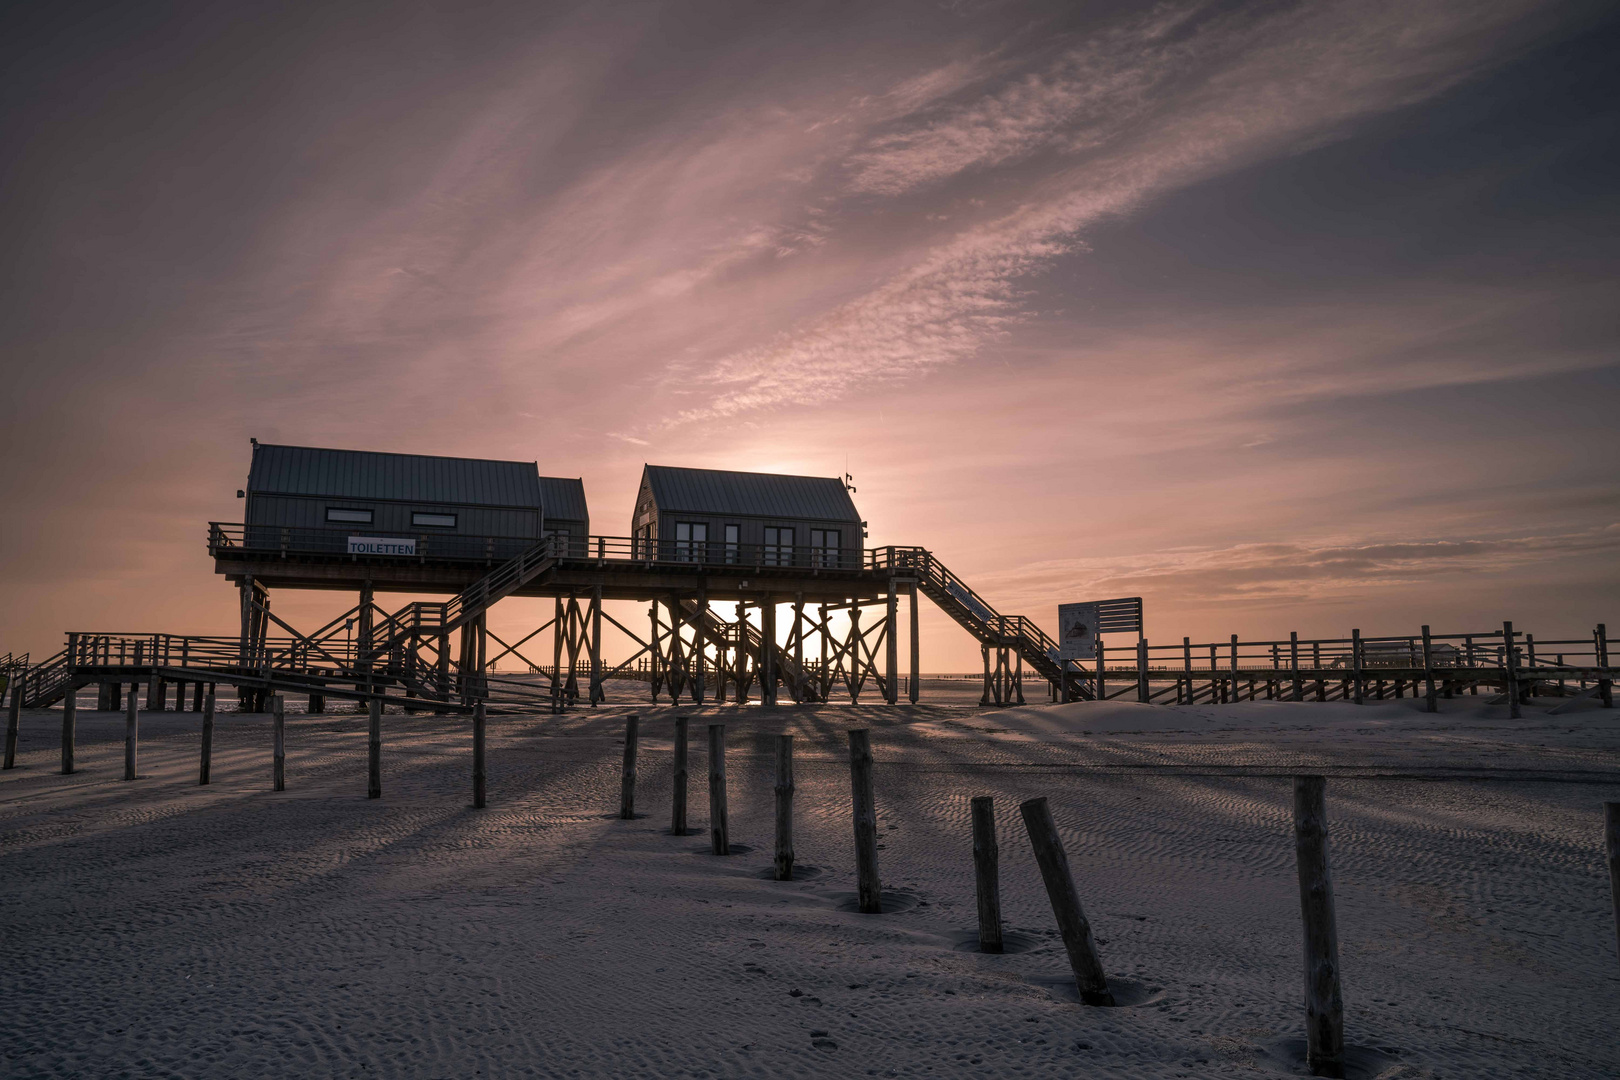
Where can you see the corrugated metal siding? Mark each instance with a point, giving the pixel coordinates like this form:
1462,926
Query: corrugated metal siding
304,512
713,491
564,502
365,474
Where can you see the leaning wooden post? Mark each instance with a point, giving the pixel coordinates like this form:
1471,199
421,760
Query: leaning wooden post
132,733
627,778
70,711
784,808
1324,1005
14,716
677,815
1611,843
480,773
1510,680
278,742
205,762
1431,700
1071,917
987,873
868,886
719,837
374,748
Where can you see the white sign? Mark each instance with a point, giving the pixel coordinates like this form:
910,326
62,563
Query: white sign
1077,631
381,545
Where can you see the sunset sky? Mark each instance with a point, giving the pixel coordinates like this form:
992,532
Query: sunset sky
1282,316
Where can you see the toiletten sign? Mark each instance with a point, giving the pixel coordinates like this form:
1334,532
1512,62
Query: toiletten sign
1077,631
381,545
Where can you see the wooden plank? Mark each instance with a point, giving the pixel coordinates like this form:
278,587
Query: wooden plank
1060,890
987,873
1324,1003
869,888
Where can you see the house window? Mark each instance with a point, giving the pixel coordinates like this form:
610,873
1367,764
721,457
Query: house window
778,545
733,542
560,541
824,547
691,540
348,517
423,519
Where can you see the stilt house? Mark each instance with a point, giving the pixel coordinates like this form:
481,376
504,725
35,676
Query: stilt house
761,519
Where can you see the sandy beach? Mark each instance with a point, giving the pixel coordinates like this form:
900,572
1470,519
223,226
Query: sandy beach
157,928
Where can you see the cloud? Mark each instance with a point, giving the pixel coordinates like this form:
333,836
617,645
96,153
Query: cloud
1260,87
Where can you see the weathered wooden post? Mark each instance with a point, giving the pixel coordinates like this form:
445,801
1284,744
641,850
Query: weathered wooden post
205,762
1293,661
913,688
1071,917
627,778
374,748
1431,699
987,873
1324,1004
1611,843
132,733
719,837
70,714
868,886
278,742
479,772
1143,694
1355,665
784,808
14,716
1605,682
1510,680
677,814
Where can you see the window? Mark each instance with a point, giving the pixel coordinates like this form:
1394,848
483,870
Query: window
423,519
733,542
691,540
778,545
356,517
560,541
824,547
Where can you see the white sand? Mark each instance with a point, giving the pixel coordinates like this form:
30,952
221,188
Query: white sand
161,929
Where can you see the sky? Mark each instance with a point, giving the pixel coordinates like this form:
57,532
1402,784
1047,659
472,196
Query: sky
1282,316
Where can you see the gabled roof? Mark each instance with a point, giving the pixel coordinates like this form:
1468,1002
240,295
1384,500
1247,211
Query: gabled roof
563,499
716,491
366,474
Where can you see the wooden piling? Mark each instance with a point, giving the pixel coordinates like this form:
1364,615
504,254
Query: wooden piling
627,775
1324,1004
480,773
913,688
70,714
1355,666
677,815
987,873
205,761
278,742
1071,917
784,808
1143,694
719,837
1430,698
14,717
1605,683
132,733
1510,680
374,749
1611,844
868,885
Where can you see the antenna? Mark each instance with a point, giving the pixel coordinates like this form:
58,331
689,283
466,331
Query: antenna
848,483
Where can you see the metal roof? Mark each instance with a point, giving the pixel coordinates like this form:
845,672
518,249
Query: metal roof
563,499
716,491
366,474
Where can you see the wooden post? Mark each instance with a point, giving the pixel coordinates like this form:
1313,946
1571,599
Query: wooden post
1431,701
1611,844
132,733
1186,664
984,698
1142,692
1510,681
987,873
1293,659
627,776
891,651
1355,666
480,771
205,761
767,651
1235,692
784,808
719,837
597,693
1605,682
1071,917
869,887
70,713
278,742
1324,1004
374,749
700,654
916,651
677,816
14,716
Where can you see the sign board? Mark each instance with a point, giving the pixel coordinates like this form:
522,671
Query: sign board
381,545
1077,631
